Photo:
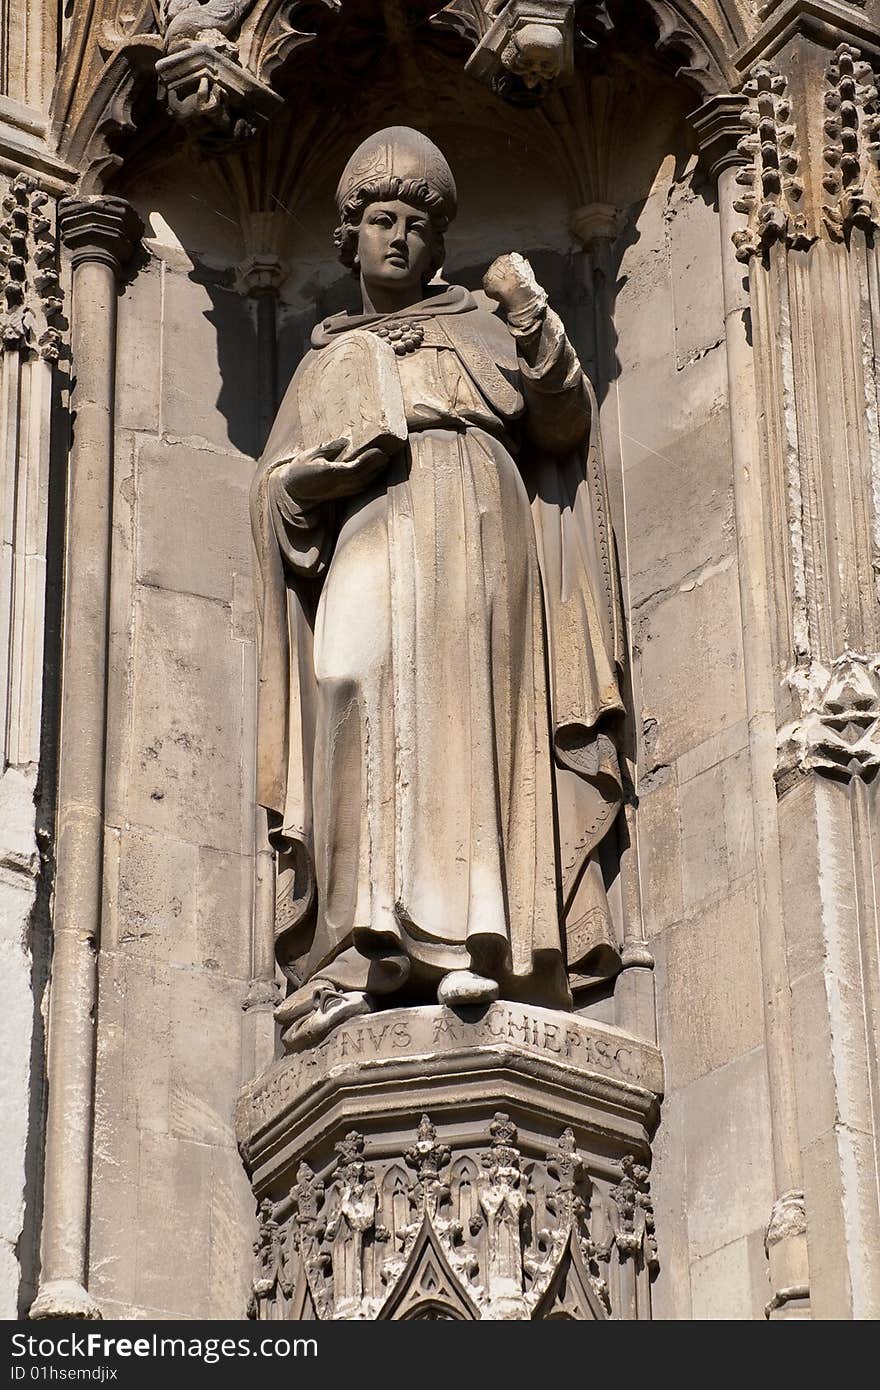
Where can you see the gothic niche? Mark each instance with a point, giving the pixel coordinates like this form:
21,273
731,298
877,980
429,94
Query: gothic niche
442,753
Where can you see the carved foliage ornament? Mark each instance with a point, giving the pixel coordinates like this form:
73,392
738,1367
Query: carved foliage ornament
773,176
773,187
839,731
852,154
488,1237
31,302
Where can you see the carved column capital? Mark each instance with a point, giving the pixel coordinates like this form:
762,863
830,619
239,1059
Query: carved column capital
594,224
719,128
261,273
100,229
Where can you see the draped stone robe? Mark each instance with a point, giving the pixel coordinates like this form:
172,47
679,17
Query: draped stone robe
439,669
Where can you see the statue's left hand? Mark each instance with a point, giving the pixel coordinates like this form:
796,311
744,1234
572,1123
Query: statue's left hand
511,281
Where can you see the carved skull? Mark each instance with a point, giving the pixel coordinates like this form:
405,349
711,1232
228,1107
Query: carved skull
535,53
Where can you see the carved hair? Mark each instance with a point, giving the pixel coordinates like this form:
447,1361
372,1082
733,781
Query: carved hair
386,190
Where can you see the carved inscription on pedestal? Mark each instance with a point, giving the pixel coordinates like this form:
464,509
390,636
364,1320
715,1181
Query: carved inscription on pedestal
409,1034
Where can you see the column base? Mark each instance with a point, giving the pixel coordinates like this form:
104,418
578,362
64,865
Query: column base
64,1298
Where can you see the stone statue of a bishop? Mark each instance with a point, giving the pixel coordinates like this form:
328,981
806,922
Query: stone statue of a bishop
439,630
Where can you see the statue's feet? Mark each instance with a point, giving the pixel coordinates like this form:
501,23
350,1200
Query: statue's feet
465,987
310,1014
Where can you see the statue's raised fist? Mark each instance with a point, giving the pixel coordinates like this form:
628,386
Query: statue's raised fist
511,281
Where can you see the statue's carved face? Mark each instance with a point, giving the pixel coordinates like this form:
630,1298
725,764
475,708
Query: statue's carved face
395,246
535,53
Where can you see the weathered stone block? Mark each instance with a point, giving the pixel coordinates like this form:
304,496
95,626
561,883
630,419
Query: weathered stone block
679,504
703,839
727,1139
186,729
817,1099
694,276
203,1078
660,851
799,860
16,1025
192,518
224,906
233,1227
731,1285
671,1295
150,894
138,351
704,1022
172,1225
209,386
689,653
18,843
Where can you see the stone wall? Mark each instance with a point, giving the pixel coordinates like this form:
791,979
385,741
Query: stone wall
175,960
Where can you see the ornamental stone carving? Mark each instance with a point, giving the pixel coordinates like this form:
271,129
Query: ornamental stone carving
774,188
470,1214
206,21
797,188
218,100
206,86
839,732
527,49
852,154
481,1235
31,294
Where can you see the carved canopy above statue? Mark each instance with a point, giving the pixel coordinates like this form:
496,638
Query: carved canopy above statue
222,65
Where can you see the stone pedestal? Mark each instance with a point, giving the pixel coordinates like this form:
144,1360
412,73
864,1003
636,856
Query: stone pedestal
485,1163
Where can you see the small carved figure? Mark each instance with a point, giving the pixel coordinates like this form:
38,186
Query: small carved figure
201,21
536,54
439,630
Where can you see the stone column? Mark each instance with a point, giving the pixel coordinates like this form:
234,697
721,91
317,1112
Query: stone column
808,512
260,276
99,233
719,125
596,227
32,176
30,341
